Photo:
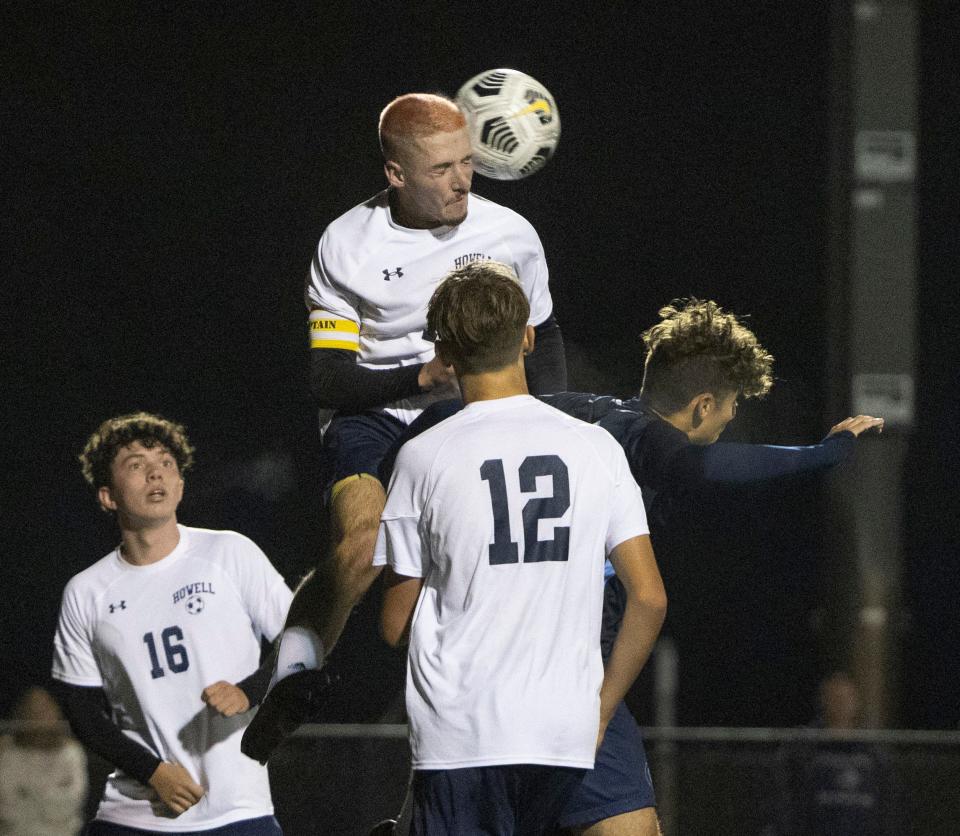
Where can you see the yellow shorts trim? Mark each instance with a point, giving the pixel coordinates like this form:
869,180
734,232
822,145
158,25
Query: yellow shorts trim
339,486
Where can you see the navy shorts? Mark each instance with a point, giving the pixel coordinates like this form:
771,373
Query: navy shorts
521,799
620,781
263,826
355,444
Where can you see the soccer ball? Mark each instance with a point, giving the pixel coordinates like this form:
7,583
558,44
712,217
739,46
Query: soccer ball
513,122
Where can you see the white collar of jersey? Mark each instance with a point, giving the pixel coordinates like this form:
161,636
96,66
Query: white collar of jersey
179,550
497,404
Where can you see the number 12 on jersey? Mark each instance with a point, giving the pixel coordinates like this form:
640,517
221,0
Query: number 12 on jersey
503,549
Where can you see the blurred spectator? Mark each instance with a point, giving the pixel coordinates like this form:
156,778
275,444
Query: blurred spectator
43,775
835,787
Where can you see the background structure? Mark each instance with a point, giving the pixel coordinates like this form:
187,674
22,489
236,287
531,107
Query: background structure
168,170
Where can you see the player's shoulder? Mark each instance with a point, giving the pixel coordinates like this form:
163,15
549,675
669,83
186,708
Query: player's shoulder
485,211
375,207
230,553
629,413
633,424
218,543
429,440
544,414
348,234
582,405
96,576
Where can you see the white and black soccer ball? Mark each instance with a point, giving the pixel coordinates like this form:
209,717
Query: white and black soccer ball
513,121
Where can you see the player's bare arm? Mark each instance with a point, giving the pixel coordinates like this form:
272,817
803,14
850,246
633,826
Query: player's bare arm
399,601
176,787
646,608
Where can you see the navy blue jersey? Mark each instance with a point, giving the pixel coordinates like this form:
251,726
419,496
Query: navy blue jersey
664,463
667,466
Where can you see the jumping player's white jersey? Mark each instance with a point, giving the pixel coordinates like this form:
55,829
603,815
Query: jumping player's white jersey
153,637
371,280
507,511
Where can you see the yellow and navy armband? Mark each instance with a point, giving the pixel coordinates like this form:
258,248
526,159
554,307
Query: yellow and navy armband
328,330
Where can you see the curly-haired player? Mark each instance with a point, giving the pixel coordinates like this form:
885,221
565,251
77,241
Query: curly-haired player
700,360
158,646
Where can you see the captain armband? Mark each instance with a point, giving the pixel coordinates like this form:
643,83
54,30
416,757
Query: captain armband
328,330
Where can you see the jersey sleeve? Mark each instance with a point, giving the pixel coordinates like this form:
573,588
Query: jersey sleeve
73,658
743,464
531,267
628,517
263,590
399,542
334,311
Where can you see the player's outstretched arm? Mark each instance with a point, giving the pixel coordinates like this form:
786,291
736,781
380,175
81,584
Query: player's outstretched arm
400,595
733,463
176,787
225,698
642,619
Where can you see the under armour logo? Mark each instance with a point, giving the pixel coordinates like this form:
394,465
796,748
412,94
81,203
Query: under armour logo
388,273
121,606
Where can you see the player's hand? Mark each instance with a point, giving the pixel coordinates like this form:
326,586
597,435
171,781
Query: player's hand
225,698
857,425
434,374
176,787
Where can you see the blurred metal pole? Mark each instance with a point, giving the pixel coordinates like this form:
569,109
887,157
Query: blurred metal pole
872,256
665,687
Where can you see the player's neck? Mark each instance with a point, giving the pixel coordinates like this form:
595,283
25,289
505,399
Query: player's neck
143,545
407,216
490,386
679,420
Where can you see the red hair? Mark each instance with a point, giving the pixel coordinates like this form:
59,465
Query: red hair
414,115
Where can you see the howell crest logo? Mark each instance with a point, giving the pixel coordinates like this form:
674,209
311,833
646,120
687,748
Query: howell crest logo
469,258
194,596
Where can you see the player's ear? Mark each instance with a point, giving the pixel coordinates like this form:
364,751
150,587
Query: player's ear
529,339
106,498
442,354
703,404
394,172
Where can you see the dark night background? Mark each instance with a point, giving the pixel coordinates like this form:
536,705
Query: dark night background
167,171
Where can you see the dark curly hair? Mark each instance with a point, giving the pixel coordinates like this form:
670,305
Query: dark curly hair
698,347
102,447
